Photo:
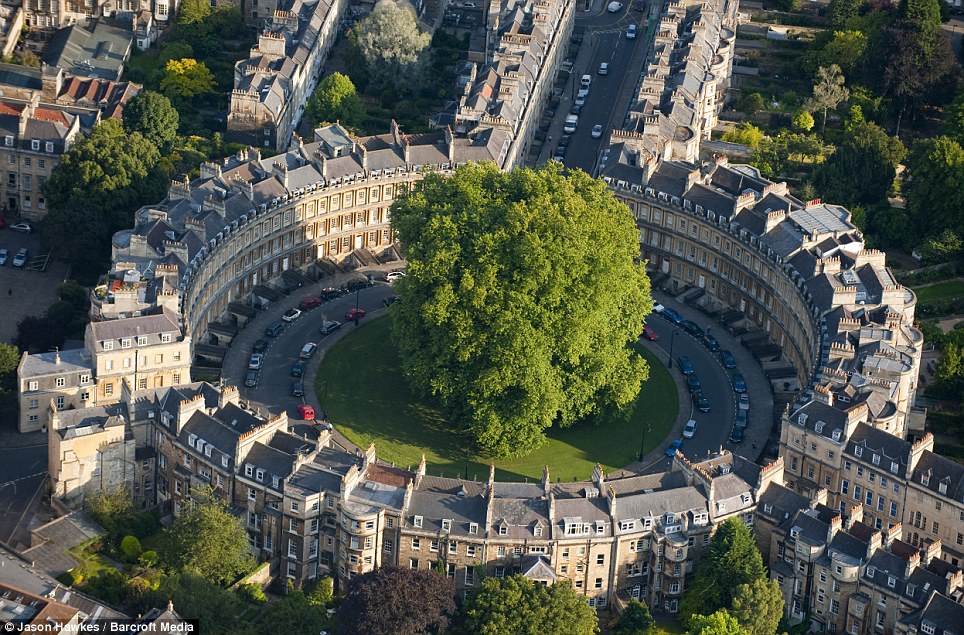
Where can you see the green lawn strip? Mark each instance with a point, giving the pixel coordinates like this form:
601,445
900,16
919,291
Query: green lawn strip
940,291
360,384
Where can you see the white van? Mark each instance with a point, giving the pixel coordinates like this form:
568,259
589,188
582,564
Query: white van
571,122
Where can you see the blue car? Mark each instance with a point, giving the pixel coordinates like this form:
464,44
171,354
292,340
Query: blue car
684,365
674,446
739,384
736,436
729,362
671,315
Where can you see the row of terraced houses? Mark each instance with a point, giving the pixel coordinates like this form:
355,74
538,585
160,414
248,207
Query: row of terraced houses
858,524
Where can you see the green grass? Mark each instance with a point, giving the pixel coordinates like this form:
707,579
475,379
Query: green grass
940,291
361,386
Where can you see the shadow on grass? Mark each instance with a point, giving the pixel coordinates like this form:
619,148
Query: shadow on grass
369,401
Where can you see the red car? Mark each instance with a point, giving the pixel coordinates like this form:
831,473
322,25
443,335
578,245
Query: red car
309,303
355,314
650,334
306,412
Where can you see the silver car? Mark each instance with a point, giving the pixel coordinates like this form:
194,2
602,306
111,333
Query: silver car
21,258
3,256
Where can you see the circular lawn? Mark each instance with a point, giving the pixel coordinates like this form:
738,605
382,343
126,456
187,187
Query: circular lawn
360,385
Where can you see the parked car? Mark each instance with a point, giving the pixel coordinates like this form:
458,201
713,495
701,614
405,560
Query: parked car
354,314
614,7
251,379
743,403
580,100
564,140
260,346
739,384
392,276
291,315
692,328
685,366
736,435
728,360
604,68
575,110
274,329
256,361
328,326
650,334
572,121
586,81
297,389
701,402
689,430
306,412
711,343
308,350
3,256
597,131
671,315
631,32
21,258
693,383
23,227
298,368
390,300
309,303
742,418
676,445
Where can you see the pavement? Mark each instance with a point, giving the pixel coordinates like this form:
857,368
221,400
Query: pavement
23,483
25,292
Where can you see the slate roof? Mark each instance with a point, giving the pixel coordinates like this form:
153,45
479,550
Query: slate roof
437,498
152,326
939,470
879,449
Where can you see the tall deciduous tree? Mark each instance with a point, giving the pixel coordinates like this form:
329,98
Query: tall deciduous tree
394,48
828,91
936,194
521,300
863,167
297,613
395,601
758,606
733,560
152,115
208,541
519,606
634,620
718,623
335,99
186,78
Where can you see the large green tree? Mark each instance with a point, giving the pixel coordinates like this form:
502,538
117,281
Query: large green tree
298,612
206,540
733,560
335,99
393,46
152,115
717,623
634,620
936,193
863,167
521,300
95,189
828,91
519,606
758,606
186,79
9,360
397,601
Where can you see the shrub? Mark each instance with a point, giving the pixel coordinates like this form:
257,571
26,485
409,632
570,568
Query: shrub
148,559
131,548
251,592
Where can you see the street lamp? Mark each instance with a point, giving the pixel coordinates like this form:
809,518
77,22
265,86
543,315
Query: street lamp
642,443
672,340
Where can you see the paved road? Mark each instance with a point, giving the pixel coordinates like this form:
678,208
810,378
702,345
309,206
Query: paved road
273,392
23,472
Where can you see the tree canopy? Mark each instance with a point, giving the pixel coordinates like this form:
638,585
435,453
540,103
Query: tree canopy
758,606
521,299
718,623
828,91
733,560
186,78
397,601
208,541
863,167
335,99
936,192
394,48
519,606
152,115
634,620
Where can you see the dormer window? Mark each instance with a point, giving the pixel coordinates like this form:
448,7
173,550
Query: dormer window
627,525
108,345
446,524
259,475
537,531
248,470
819,427
927,628
8,140
767,508
871,571
35,145
794,532
891,581
49,146
224,461
876,459
142,340
835,435
418,522
894,467
942,487
165,338
925,479
126,342
858,451
473,528
503,530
